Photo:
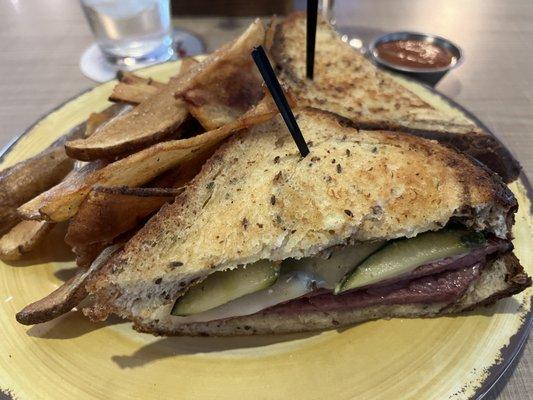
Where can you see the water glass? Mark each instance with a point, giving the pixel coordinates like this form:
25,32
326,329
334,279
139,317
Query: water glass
131,32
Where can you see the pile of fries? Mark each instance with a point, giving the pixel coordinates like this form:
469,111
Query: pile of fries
109,175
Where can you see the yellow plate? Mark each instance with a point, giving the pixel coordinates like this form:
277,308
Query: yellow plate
447,357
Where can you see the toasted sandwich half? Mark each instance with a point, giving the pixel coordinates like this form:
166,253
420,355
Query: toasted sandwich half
347,83
370,224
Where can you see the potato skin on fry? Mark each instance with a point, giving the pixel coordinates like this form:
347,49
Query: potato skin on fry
134,93
22,238
29,178
68,295
36,208
108,212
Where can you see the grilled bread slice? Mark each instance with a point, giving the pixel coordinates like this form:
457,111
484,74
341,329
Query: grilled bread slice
256,198
347,83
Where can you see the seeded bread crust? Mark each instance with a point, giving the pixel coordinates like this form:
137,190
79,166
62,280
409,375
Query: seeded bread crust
256,198
347,83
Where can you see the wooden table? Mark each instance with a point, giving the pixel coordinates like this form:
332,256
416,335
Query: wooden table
41,42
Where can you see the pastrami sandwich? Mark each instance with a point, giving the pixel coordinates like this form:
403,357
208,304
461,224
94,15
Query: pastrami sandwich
371,224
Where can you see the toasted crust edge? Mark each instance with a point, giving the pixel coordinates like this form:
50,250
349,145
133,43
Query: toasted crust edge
483,147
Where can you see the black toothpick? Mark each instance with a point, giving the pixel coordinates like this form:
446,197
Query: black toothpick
272,83
312,10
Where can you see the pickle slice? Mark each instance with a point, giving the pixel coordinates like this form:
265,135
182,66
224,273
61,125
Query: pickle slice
224,286
289,286
402,256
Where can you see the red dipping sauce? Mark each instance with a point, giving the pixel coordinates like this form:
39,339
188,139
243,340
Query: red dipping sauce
417,54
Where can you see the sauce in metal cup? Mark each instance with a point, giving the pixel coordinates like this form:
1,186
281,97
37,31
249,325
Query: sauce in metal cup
424,57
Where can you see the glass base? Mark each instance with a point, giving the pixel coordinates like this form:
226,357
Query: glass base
99,67
163,53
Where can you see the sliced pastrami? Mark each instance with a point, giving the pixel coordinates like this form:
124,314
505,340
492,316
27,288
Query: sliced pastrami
446,287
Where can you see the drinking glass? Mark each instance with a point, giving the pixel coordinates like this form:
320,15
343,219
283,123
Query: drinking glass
131,33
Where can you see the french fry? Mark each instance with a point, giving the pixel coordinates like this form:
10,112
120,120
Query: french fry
63,201
133,89
96,120
157,118
22,238
132,93
226,88
27,179
150,122
132,79
107,212
126,207
67,296
70,184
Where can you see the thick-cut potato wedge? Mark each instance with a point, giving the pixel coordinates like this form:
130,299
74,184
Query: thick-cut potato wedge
63,201
74,180
22,238
224,89
125,207
67,296
132,79
134,93
107,212
96,120
159,117
134,89
150,122
29,178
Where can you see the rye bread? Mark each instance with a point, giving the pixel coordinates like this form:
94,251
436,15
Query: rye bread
256,198
347,83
